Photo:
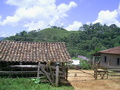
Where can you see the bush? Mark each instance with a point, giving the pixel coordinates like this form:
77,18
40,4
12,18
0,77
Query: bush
84,64
28,84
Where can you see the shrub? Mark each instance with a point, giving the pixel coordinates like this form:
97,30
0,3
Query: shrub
84,64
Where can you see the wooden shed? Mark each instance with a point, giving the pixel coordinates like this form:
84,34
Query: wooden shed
38,59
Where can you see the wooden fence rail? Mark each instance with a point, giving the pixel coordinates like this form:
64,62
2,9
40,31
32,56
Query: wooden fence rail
52,73
106,72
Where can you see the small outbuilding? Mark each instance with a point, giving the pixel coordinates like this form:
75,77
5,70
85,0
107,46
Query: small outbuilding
109,58
36,58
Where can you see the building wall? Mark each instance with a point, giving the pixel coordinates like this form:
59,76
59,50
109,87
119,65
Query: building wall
111,60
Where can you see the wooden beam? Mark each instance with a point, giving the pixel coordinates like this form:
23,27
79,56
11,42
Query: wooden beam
23,66
38,70
95,72
57,75
47,75
19,72
66,72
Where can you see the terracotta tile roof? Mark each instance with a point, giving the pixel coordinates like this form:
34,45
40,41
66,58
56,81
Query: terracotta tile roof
115,51
33,51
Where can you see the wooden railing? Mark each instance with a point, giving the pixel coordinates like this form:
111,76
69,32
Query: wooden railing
52,73
105,73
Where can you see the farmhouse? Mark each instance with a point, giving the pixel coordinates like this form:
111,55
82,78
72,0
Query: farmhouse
34,58
109,58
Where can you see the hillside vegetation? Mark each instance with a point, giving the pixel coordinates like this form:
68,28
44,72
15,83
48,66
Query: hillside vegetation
1,38
86,41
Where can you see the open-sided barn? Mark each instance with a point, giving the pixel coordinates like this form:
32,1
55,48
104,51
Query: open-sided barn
44,58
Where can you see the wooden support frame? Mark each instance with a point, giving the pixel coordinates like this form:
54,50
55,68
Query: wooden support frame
102,73
51,72
95,73
57,75
38,70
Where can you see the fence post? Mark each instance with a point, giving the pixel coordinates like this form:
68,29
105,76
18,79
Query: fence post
57,75
95,72
66,76
38,70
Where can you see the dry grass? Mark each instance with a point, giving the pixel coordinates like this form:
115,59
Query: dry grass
83,80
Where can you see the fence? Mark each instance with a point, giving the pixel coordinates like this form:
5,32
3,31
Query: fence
52,74
106,73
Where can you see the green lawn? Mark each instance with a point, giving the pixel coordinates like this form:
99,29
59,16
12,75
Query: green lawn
27,84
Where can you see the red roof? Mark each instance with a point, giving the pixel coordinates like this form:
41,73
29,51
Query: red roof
33,51
115,50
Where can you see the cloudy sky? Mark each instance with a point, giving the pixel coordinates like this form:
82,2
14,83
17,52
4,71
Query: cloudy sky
19,15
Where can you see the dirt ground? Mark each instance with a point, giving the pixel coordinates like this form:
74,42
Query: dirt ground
83,80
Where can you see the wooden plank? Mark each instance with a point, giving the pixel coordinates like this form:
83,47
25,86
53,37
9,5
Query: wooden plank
27,66
38,70
24,66
115,70
57,76
47,75
52,74
66,74
95,73
19,72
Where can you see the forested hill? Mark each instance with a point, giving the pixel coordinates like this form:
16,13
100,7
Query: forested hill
88,40
1,38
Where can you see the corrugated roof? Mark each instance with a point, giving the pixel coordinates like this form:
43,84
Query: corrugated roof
33,51
115,51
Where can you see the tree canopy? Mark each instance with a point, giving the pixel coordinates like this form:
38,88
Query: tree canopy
86,41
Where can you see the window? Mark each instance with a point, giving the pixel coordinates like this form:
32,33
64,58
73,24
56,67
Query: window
118,61
105,59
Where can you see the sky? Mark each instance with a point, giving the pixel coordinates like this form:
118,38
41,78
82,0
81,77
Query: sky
19,15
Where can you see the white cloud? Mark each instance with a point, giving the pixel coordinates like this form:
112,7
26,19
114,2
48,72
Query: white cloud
0,17
75,26
108,17
35,14
0,20
34,26
5,34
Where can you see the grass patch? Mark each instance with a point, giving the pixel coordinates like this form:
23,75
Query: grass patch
27,84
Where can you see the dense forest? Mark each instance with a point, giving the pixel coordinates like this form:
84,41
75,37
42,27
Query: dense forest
86,41
1,38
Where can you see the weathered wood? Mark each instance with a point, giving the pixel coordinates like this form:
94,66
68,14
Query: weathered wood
19,72
24,66
57,76
66,75
102,74
30,66
38,70
95,72
47,75
52,73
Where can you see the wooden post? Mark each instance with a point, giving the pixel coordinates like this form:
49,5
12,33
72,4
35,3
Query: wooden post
38,70
107,74
66,77
95,72
57,75
63,70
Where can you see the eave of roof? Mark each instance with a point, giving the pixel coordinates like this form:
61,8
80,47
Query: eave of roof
114,51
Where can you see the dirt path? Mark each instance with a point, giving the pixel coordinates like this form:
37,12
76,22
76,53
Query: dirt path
83,80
